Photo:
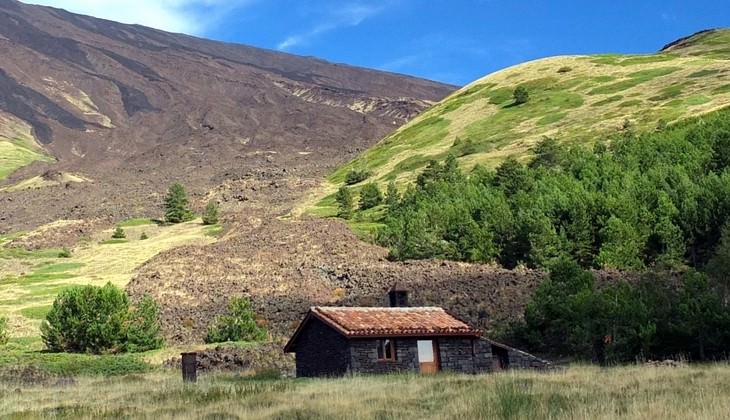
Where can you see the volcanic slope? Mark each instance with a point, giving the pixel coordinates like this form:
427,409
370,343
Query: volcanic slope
133,108
575,99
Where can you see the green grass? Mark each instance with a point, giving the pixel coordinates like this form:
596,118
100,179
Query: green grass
76,364
136,222
705,73
58,268
36,312
16,153
18,253
633,80
589,102
213,230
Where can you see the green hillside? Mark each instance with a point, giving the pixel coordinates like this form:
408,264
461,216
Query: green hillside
574,99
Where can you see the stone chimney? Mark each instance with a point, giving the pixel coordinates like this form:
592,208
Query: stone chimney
398,296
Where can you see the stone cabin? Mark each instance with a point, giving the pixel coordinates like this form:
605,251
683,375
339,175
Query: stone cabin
334,341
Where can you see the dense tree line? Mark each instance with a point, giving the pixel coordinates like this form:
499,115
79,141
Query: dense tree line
653,200
656,204
656,316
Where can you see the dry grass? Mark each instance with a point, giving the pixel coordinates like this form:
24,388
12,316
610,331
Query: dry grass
39,182
636,392
30,283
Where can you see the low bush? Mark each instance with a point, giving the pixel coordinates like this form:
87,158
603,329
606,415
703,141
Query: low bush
100,320
210,215
64,253
3,331
356,176
238,325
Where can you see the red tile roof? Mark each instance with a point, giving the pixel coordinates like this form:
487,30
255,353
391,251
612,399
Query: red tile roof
389,322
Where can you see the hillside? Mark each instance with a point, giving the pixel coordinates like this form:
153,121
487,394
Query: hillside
128,109
574,99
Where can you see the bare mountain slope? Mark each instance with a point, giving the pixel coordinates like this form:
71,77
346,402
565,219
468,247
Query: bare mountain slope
132,108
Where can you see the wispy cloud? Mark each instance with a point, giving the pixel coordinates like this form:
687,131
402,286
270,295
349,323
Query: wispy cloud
193,17
347,15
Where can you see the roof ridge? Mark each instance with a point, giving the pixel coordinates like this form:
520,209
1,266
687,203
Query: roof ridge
379,308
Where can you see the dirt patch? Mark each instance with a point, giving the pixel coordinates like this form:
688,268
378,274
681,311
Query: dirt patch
63,234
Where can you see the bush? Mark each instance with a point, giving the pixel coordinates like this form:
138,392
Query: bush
90,319
3,331
176,205
521,95
64,253
238,325
210,215
356,175
370,196
143,236
119,233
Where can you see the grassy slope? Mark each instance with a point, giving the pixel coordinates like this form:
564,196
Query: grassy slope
635,392
576,99
29,281
17,147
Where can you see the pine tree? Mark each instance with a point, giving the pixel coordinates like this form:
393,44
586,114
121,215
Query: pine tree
119,233
210,216
370,196
344,203
176,205
392,197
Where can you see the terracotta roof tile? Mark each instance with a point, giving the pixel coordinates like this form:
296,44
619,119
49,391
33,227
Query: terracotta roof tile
393,322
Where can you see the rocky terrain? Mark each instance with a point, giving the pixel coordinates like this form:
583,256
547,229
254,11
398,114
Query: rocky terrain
131,109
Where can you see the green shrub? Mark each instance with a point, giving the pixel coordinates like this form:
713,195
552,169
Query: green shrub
90,319
370,196
521,95
210,215
3,331
143,236
238,325
176,205
356,175
64,253
119,233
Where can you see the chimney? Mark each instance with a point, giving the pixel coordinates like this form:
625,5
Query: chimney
398,296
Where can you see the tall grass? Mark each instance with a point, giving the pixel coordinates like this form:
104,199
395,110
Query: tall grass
578,392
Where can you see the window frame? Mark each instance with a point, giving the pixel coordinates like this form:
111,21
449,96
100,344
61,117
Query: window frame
382,346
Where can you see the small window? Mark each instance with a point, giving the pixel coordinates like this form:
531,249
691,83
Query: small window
386,349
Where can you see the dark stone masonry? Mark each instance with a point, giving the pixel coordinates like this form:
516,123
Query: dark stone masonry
340,341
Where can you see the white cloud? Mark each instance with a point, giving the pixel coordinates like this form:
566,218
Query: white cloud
351,14
187,16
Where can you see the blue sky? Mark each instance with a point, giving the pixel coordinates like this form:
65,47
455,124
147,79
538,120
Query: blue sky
455,41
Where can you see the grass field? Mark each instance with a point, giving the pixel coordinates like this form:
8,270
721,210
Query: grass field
30,280
575,99
634,392
17,146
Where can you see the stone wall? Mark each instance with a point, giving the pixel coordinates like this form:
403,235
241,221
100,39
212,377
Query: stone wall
321,351
519,359
461,355
364,357
483,360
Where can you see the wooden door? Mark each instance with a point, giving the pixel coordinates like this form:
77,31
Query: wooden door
428,356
